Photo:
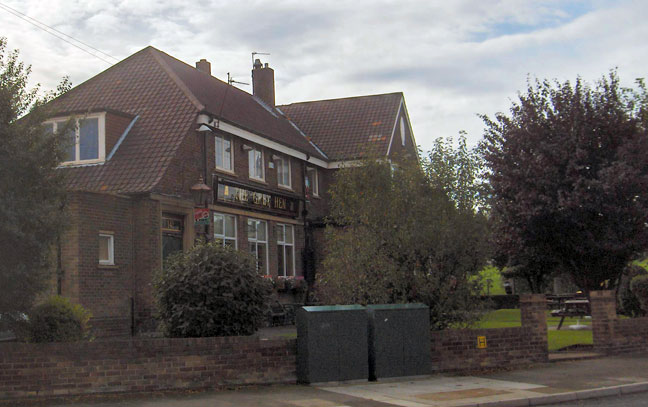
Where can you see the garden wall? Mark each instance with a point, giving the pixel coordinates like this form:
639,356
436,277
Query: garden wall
143,365
459,350
611,334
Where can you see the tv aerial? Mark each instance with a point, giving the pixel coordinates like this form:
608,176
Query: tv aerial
230,80
258,53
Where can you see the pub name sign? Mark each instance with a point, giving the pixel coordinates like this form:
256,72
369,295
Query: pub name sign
242,195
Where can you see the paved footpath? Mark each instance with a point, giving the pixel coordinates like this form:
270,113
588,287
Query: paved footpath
541,384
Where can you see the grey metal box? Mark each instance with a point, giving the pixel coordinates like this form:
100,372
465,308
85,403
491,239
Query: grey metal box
399,340
332,344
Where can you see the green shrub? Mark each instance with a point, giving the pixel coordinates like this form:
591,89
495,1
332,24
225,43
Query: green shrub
58,320
639,286
210,290
628,303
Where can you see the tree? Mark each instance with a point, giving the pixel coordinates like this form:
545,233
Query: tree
32,192
569,178
399,238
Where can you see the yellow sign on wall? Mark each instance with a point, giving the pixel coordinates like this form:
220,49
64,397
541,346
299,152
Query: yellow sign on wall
481,342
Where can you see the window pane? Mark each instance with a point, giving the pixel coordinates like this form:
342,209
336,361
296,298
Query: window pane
289,261
261,250
259,164
261,231
289,234
252,229
104,248
230,226
227,153
251,163
280,258
279,230
219,151
89,139
218,224
70,141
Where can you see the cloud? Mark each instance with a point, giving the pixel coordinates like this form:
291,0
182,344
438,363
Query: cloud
451,59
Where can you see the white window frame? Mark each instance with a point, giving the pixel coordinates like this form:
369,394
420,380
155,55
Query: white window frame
257,242
280,163
111,250
252,162
101,135
223,137
281,245
224,236
315,180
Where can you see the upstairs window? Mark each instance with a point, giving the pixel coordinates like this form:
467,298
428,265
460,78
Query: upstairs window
85,138
283,171
255,161
312,181
224,157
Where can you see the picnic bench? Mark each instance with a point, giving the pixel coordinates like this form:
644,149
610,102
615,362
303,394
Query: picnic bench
571,308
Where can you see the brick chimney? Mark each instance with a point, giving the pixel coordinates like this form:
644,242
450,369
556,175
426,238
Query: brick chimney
263,83
204,65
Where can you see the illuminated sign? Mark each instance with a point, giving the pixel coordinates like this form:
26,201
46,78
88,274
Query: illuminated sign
481,342
242,195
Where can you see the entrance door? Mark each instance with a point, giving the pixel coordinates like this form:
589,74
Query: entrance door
172,234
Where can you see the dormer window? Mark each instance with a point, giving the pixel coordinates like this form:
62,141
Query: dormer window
86,138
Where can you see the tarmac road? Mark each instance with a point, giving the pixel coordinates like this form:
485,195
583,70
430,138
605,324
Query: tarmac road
630,400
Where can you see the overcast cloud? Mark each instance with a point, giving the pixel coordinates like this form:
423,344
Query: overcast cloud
452,59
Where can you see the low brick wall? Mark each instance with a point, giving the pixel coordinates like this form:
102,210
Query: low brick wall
143,365
458,350
611,334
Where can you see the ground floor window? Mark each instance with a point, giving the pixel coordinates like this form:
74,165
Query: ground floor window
225,229
106,249
258,243
172,234
285,250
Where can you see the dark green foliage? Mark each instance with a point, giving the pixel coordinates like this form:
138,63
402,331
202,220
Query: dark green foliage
628,303
58,320
569,178
210,290
639,287
400,238
32,192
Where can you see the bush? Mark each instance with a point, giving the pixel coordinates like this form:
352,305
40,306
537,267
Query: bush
628,303
58,320
210,290
639,287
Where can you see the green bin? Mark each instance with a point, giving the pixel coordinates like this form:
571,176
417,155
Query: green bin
399,340
332,344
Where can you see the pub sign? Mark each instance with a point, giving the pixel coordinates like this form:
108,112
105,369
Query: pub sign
231,192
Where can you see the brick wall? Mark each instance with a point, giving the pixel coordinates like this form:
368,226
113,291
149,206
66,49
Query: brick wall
143,365
457,349
614,335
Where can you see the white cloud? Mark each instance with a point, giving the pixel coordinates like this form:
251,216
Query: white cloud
451,59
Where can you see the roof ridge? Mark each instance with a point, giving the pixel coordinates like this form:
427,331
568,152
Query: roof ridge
174,77
343,98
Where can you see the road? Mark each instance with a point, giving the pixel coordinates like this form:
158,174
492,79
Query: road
631,400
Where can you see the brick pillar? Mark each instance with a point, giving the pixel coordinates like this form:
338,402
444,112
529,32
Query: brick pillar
603,307
533,308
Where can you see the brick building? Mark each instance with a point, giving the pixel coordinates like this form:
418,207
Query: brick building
151,127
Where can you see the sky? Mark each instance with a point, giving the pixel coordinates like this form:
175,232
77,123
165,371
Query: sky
453,60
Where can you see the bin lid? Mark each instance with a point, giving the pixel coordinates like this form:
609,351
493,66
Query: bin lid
330,308
413,305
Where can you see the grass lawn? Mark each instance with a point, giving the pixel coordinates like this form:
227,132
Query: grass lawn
506,318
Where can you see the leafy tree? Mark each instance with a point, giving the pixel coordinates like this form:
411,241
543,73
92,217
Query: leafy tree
32,192
210,290
399,238
569,176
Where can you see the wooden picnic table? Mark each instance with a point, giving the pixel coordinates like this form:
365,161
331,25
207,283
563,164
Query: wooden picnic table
571,308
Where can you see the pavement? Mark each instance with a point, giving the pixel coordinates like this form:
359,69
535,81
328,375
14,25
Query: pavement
540,384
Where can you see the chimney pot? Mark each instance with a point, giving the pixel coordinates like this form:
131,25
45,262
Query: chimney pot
257,64
204,66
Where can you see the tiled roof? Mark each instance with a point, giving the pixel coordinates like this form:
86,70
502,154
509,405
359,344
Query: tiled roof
167,95
347,128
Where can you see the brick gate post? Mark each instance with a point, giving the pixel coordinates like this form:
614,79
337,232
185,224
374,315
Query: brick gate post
533,309
603,307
